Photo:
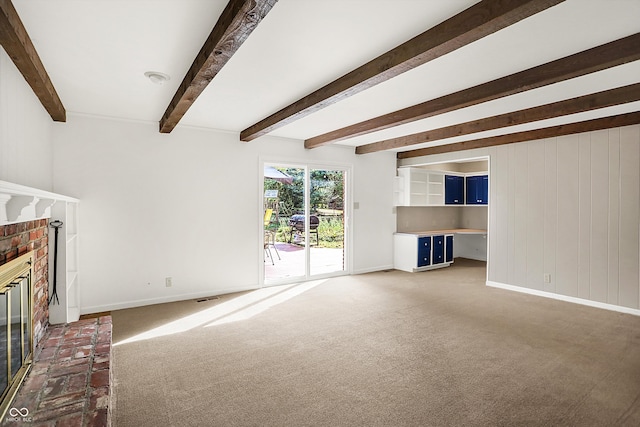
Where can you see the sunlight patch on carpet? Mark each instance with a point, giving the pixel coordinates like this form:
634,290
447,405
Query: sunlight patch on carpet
261,306
240,308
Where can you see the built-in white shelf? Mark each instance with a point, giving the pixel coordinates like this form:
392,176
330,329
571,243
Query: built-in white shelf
68,272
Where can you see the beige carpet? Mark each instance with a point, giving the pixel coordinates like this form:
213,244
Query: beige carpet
382,349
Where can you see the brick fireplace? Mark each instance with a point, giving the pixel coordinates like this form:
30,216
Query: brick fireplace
69,383
18,239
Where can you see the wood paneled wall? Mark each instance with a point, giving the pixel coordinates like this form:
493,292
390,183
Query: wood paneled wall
568,207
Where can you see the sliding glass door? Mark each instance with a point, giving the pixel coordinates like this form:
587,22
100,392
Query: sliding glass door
326,198
284,204
304,222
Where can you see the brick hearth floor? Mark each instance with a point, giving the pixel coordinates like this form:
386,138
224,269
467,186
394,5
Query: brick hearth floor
69,382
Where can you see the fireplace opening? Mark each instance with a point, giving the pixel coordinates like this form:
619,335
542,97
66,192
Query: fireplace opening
16,326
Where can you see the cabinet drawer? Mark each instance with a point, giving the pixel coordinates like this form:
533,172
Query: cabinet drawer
424,251
438,249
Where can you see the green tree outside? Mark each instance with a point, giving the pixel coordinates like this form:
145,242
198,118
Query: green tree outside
326,201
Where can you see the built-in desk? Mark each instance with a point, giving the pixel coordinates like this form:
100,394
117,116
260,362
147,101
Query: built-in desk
448,231
430,249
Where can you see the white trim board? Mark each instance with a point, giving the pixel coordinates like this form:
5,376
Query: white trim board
372,270
163,300
566,298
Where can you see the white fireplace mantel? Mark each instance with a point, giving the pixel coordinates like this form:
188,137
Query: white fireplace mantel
19,203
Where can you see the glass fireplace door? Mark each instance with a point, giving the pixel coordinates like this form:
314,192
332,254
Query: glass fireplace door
5,331
16,326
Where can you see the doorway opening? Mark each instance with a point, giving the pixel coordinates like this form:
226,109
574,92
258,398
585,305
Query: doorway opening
465,215
304,222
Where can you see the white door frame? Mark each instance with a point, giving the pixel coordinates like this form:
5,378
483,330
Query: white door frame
348,235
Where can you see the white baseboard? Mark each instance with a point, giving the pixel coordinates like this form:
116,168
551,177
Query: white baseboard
373,270
566,298
184,297
161,300
473,257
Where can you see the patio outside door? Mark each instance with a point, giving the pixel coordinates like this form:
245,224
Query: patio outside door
304,222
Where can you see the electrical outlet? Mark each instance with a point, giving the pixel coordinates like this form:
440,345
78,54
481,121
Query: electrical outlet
547,278
168,282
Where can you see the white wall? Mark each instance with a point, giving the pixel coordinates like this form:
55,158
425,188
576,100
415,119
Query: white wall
25,131
425,218
185,205
569,207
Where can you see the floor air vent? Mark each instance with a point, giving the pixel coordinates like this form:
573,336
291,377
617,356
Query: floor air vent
207,299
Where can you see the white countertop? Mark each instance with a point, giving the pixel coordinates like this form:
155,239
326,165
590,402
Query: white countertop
448,231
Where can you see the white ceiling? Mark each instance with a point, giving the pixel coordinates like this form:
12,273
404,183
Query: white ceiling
96,53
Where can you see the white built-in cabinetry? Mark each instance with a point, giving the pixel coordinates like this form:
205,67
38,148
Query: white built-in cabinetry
428,250
422,251
419,187
424,187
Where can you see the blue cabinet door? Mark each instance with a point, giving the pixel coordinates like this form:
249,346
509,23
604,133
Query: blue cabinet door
484,189
453,190
438,249
477,190
424,251
448,245
471,183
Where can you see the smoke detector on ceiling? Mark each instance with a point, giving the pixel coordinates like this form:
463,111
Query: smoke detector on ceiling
157,77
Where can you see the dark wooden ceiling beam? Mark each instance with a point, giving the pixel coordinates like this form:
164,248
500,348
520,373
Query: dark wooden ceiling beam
531,135
480,20
607,98
237,21
16,42
596,59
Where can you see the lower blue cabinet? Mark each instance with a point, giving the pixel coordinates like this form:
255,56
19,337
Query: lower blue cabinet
414,252
424,251
448,244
